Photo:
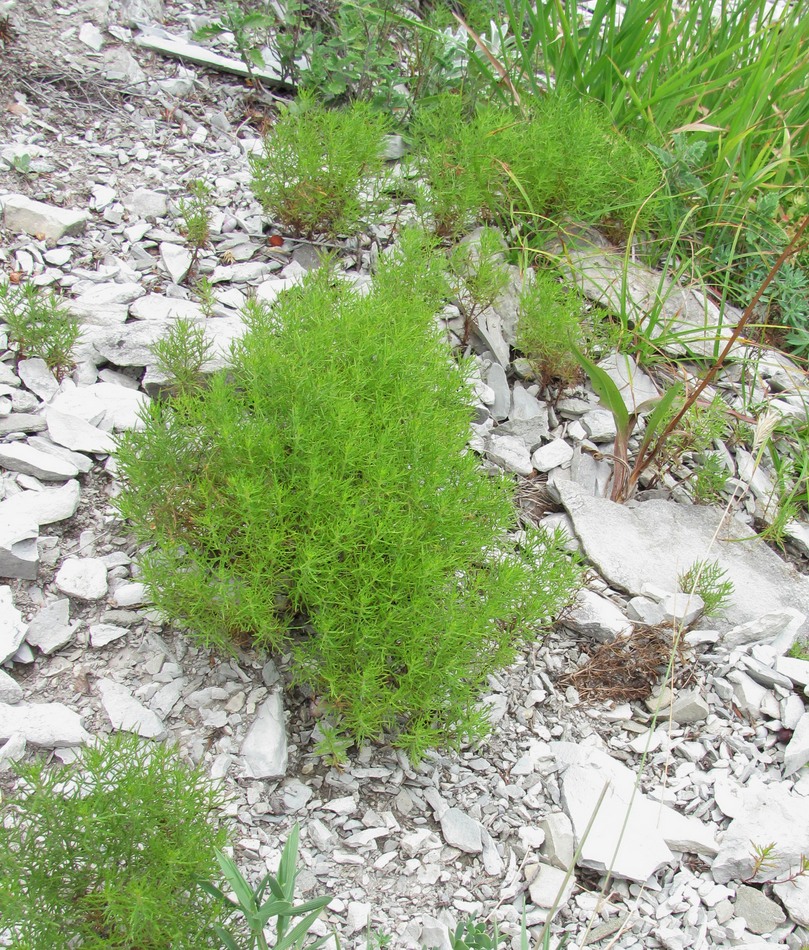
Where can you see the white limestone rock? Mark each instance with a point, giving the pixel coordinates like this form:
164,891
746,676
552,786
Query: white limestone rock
19,457
770,813
146,203
796,754
47,725
176,260
560,842
596,617
82,577
74,433
553,455
545,886
794,895
460,831
265,746
126,713
12,626
42,507
19,553
50,629
37,377
10,689
22,215
509,453
103,633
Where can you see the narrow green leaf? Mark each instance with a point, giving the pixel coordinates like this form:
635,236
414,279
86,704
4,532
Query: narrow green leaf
657,415
225,937
240,886
317,903
606,390
215,892
298,931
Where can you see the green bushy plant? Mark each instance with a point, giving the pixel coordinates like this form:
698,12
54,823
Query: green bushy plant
107,853
39,324
550,319
320,169
456,157
247,27
319,497
558,160
182,353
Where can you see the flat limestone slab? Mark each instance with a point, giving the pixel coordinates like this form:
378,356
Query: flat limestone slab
655,541
21,214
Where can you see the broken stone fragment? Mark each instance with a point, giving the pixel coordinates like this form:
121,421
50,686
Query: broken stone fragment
22,215
42,724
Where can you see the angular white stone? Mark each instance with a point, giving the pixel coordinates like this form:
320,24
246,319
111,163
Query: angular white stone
10,689
560,842
682,608
794,895
525,406
357,916
19,457
130,595
21,214
777,628
12,627
769,813
126,713
176,259
163,309
793,667
461,831
50,629
19,554
548,884
76,434
796,754
625,815
42,724
265,746
122,406
510,453
42,507
599,425
103,633
91,36
496,380
37,377
82,577
552,455
596,617
636,388
145,203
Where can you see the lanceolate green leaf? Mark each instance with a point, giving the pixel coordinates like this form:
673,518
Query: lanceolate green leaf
607,391
656,416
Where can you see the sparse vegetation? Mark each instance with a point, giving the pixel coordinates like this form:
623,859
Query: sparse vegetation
39,324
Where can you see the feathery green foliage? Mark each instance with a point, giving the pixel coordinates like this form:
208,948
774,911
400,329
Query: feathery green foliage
320,168
108,852
39,324
318,483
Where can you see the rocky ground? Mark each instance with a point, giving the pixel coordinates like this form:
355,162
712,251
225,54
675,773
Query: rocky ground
113,133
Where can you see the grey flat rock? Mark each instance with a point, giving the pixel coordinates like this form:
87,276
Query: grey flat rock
19,457
48,725
21,214
76,434
37,377
50,629
21,422
42,507
126,713
265,745
10,689
767,813
19,553
82,577
761,914
12,627
461,831
657,540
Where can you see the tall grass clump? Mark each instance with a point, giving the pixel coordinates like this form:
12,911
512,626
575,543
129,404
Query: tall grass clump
108,852
319,171
319,498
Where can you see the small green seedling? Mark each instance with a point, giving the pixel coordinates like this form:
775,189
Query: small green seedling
709,581
196,214
182,353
